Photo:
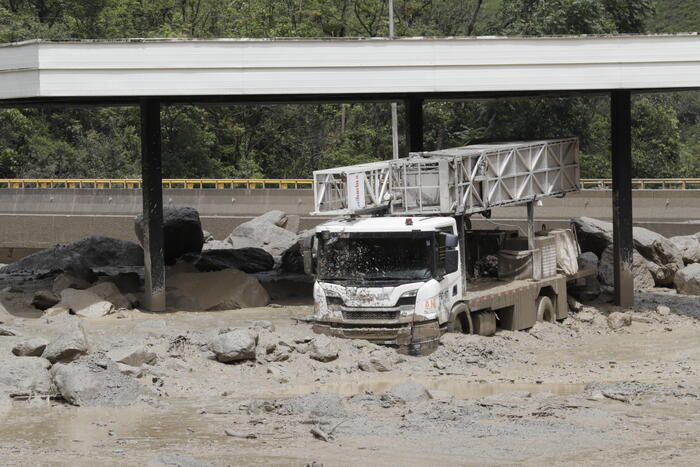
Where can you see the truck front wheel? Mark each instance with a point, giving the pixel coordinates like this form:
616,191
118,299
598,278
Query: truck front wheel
460,321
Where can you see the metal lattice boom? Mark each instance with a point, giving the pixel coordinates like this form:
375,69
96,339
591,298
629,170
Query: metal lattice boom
456,181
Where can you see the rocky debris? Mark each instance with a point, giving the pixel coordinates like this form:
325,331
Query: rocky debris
663,310
8,332
687,280
323,349
69,345
26,376
44,299
643,279
593,235
182,232
293,259
596,236
248,260
266,232
208,237
173,460
660,251
110,292
85,303
126,282
30,348
588,260
239,434
409,391
90,252
95,381
219,290
315,404
574,305
233,346
585,316
133,356
618,320
379,364
68,281
689,246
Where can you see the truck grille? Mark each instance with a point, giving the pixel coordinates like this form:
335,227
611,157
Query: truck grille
370,314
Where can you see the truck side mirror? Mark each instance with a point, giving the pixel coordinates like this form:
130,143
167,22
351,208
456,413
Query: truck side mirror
451,261
308,253
450,241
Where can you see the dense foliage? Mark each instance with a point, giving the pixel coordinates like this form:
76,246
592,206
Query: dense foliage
292,140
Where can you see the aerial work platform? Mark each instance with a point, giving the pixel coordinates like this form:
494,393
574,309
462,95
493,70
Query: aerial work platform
457,181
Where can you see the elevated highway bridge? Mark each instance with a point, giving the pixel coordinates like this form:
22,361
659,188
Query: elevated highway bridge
155,73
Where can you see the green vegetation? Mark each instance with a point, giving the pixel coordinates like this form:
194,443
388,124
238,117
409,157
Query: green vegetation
292,140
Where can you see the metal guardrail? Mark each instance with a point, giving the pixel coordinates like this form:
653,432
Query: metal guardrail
296,183
189,183
645,183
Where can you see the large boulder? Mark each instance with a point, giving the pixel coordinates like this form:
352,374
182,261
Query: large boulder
219,290
293,259
44,299
323,349
110,292
96,381
233,346
643,279
248,260
182,232
266,232
67,346
588,260
85,303
687,280
660,251
593,234
689,246
26,376
89,252
136,355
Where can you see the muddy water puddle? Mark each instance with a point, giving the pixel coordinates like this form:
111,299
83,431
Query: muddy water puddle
458,388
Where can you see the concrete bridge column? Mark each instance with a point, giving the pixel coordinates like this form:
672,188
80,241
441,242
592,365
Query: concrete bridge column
414,124
623,244
152,191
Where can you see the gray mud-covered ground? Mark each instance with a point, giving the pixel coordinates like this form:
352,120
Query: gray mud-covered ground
576,392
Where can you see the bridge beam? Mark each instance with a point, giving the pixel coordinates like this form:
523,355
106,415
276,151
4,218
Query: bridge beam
152,193
623,244
414,124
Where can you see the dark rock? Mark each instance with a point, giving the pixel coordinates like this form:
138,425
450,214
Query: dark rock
245,259
593,234
79,258
182,232
126,282
292,259
44,299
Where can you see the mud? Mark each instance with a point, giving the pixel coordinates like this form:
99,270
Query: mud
575,392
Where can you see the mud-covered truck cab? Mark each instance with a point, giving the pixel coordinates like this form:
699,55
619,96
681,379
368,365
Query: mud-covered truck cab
391,280
400,267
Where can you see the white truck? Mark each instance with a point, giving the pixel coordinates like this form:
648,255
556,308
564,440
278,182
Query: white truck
400,266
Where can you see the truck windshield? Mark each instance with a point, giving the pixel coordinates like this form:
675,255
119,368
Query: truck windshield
363,259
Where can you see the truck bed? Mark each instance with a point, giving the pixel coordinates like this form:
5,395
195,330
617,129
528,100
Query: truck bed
502,297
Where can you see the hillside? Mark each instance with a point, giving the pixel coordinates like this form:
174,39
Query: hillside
675,16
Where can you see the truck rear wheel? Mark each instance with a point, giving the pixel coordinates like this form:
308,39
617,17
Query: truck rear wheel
484,323
545,309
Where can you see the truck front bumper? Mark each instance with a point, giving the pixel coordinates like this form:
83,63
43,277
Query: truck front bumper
418,338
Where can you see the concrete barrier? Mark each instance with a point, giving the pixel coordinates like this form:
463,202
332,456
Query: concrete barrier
32,219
